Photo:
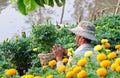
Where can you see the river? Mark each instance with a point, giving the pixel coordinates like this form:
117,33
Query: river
12,22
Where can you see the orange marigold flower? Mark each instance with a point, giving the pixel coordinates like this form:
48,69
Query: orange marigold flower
101,72
77,69
50,76
117,61
101,57
114,65
28,76
118,68
112,55
61,68
107,45
105,63
117,46
65,60
82,62
52,63
69,74
81,74
10,72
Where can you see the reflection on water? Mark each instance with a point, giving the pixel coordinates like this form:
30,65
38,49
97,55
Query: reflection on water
12,22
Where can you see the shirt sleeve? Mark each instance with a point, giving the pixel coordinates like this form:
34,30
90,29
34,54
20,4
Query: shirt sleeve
59,63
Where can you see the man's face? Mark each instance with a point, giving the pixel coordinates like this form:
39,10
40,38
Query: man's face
78,40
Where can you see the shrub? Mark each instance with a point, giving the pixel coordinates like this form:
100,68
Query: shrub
108,27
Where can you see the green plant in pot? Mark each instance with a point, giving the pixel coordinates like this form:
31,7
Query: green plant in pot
43,38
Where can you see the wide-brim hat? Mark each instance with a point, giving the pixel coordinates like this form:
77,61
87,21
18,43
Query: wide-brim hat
85,29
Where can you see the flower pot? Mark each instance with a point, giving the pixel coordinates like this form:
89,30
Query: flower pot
45,58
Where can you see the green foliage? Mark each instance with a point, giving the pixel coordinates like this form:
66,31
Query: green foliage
108,27
66,38
19,52
43,37
26,6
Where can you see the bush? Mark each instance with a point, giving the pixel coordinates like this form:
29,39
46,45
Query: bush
108,27
44,36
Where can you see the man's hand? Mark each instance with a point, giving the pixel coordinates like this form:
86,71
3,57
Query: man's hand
58,52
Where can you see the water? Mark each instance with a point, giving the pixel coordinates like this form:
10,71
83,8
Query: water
12,22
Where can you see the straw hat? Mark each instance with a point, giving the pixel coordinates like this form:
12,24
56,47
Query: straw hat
85,29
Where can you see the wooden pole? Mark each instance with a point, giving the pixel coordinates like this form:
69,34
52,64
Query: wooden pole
118,4
61,18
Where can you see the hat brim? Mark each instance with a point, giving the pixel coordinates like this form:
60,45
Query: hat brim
79,32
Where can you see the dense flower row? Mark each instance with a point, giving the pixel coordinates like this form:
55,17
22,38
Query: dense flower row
106,64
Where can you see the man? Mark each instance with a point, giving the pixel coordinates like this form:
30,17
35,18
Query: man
84,35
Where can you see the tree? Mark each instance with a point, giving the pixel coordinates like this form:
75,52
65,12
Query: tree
25,6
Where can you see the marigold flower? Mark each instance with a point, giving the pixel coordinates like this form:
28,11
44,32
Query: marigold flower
44,67
97,48
77,69
101,72
52,63
117,47
70,52
101,57
28,76
50,76
118,68
65,60
82,62
81,74
69,74
112,55
10,72
34,49
37,77
107,45
114,65
105,63
117,61
88,54
61,68
104,41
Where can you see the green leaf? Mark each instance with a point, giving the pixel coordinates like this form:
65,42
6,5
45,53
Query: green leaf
22,7
63,1
47,2
40,2
12,1
58,3
30,4
51,3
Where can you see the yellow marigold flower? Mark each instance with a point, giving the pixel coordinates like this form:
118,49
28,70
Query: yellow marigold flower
101,72
61,68
104,41
77,69
112,55
105,63
117,61
114,65
37,77
34,49
117,47
50,76
70,49
97,48
82,62
69,74
65,60
10,72
118,68
88,54
52,63
28,76
44,67
81,74
70,52
101,57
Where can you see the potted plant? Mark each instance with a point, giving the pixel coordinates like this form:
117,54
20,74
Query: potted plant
43,38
